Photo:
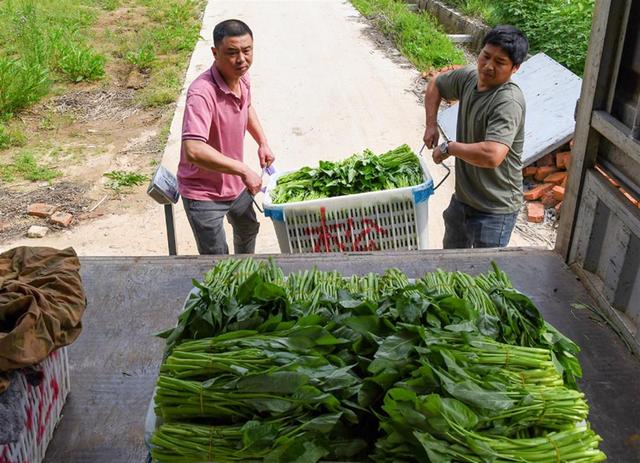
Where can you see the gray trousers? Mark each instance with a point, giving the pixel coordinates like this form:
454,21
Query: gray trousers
207,222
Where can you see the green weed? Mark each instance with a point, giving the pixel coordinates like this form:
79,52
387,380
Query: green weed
143,58
119,179
25,165
43,41
21,84
78,64
164,87
417,36
109,5
11,136
52,120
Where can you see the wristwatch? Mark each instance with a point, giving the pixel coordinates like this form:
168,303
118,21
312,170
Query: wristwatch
444,147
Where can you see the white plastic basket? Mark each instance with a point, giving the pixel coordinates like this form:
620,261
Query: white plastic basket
381,220
43,406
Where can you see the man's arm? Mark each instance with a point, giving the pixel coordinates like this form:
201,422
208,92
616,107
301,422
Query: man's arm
255,129
205,156
482,154
432,100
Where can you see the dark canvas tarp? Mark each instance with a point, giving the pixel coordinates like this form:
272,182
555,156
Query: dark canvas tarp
41,304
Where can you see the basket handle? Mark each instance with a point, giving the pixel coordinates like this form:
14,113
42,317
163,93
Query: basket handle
442,164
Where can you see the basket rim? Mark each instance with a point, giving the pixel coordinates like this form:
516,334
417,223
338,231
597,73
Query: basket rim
267,204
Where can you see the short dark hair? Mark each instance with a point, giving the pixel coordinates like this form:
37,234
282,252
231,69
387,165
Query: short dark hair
229,28
511,40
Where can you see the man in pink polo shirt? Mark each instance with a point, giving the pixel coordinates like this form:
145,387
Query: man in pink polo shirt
212,178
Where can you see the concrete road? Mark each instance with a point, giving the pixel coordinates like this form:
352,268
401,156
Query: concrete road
322,90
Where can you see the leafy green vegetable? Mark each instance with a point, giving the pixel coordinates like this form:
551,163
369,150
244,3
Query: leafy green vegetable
315,366
359,173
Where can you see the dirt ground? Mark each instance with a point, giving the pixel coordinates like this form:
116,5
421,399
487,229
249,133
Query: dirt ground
324,85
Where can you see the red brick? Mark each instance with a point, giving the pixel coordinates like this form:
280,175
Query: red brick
535,212
607,176
558,192
557,208
547,160
89,215
62,219
41,209
556,178
529,171
629,197
537,191
544,172
548,200
563,160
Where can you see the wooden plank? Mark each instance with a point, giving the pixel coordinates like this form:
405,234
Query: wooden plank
628,290
623,209
614,256
595,232
617,133
586,142
617,51
114,362
616,318
586,252
607,228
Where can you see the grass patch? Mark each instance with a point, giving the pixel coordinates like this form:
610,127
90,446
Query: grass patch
119,179
44,41
417,35
164,87
559,28
26,166
159,46
488,11
11,136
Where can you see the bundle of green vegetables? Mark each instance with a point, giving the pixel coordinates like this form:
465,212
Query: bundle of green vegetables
317,366
359,173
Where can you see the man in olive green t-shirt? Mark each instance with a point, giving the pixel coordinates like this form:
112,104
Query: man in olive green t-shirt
490,137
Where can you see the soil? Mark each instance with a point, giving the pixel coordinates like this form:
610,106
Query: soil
109,131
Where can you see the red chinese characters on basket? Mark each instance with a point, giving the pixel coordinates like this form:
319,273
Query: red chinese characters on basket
344,236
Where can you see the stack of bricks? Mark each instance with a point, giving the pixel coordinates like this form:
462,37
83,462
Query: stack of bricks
549,175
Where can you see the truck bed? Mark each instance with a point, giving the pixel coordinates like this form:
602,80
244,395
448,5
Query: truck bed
114,362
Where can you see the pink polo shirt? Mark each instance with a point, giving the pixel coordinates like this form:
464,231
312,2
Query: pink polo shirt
214,115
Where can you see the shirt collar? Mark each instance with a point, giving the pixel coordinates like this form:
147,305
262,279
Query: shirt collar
219,80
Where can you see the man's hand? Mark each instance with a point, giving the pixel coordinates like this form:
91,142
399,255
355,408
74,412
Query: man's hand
265,155
252,181
431,136
438,156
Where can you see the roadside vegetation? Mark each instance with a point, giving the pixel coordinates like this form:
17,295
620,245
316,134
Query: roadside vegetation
417,35
559,28
132,52
120,179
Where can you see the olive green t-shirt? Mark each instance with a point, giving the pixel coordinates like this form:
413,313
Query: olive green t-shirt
496,115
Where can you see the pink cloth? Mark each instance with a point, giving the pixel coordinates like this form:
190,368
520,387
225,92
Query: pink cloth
214,115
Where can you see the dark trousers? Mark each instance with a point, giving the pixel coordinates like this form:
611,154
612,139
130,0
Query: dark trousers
207,222
466,227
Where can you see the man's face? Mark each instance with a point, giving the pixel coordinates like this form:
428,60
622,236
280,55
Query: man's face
234,55
494,66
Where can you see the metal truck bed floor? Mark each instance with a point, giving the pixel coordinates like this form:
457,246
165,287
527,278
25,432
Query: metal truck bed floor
114,363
